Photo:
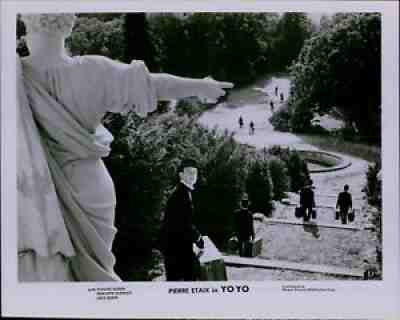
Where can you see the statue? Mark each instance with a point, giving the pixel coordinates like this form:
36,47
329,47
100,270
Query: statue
66,198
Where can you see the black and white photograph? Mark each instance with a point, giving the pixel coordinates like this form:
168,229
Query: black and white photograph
270,172
196,149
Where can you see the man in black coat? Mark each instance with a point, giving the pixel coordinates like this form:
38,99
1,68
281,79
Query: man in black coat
244,226
178,231
307,201
344,203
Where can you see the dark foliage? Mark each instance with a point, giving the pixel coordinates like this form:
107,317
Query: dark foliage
279,177
373,188
339,69
281,119
259,186
189,107
297,170
293,29
214,44
143,165
136,31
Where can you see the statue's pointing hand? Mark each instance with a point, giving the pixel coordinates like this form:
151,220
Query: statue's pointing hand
213,89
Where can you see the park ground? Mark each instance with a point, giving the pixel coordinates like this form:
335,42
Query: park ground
308,244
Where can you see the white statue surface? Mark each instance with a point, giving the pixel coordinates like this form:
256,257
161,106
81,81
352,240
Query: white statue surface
66,197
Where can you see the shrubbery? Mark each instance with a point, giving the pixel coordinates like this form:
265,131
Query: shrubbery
280,119
297,170
259,186
190,107
93,35
373,188
279,177
143,163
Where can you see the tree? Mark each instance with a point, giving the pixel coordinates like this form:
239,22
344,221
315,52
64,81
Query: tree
292,30
339,69
231,46
104,17
94,36
137,39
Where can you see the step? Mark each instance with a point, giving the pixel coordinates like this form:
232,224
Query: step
236,261
323,206
311,223
335,196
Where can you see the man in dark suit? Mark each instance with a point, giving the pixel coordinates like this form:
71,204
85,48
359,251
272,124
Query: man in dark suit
244,226
344,203
307,201
178,231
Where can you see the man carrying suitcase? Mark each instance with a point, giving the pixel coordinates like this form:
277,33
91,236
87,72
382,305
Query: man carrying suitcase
307,202
344,203
244,226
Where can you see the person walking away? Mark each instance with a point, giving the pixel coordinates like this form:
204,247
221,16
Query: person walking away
307,201
241,122
178,232
244,227
344,203
276,91
252,128
282,97
271,103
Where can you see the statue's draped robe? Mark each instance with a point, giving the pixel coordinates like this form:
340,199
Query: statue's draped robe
66,198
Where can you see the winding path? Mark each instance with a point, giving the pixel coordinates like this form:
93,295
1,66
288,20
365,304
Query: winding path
225,117
340,248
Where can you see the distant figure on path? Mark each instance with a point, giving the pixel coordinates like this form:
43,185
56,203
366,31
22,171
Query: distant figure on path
276,90
307,201
178,232
241,122
252,129
271,103
244,226
344,203
282,97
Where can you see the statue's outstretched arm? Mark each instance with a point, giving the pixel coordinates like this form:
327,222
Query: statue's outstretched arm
169,87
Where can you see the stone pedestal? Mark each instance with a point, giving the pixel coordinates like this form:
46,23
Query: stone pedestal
212,265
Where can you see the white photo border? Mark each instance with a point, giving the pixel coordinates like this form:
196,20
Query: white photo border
350,300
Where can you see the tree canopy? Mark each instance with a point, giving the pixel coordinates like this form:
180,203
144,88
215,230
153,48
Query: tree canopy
339,71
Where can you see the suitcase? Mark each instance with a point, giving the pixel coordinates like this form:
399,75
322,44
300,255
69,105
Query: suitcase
233,245
253,248
314,214
299,212
212,265
337,215
351,216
